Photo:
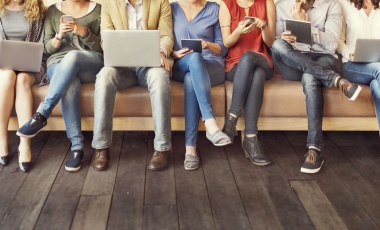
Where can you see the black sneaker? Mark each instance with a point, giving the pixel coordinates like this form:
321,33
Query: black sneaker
33,126
349,89
229,127
313,162
74,162
254,151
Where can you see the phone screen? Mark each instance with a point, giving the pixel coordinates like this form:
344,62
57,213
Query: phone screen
66,18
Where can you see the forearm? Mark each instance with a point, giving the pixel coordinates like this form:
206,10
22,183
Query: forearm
231,39
214,48
268,36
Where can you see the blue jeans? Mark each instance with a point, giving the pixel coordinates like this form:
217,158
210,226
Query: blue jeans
316,71
367,74
110,79
65,84
198,76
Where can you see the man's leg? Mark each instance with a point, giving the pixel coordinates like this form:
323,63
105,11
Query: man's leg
108,81
157,80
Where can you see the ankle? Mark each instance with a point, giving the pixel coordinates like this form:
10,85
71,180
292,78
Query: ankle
211,126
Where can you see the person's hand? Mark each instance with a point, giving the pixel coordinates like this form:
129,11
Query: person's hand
204,44
65,27
244,28
297,12
182,52
258,23
164,62
288,37
78,29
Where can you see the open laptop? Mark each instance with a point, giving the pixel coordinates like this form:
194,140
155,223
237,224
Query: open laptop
21,56
367,50
128,48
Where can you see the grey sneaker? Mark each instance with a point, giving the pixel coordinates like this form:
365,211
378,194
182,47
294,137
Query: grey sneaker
191,162
349,89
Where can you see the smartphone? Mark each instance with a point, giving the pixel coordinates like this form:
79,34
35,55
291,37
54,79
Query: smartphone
250,19
66,18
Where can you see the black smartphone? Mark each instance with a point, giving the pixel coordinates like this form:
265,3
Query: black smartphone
250,19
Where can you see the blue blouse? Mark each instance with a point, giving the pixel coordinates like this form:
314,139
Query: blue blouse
205,25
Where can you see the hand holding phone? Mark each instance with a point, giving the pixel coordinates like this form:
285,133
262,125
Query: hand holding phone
66,18
250,19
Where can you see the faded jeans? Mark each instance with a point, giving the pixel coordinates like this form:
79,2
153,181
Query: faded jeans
316,71
110,80
198,76
367,74
65,84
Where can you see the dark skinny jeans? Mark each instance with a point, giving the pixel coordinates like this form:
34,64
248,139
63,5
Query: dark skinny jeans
249,76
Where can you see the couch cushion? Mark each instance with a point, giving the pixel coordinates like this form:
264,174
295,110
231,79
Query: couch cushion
286,99
135,101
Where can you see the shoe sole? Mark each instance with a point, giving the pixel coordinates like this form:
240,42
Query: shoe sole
159,169
69,169
310,171
27,136
256,163
356,94
190,169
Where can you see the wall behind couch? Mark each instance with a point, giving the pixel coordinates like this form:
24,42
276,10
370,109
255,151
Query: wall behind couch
49,2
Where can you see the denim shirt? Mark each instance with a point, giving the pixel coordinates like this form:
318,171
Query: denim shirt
205,25
325,17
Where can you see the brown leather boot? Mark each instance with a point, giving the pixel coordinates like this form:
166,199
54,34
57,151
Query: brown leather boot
101,158
159,160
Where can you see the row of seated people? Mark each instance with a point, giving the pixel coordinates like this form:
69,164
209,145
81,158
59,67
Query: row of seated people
234,49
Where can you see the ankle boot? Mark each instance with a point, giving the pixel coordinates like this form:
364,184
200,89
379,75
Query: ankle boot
254,151
229,127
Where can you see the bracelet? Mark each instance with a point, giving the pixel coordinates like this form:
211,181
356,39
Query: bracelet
84,32
58,38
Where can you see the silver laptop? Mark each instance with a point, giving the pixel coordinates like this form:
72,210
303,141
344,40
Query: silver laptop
367,50
128,48
21,56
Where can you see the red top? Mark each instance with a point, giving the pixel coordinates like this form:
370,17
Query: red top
247,42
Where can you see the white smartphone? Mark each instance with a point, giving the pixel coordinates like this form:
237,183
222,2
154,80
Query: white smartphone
66,18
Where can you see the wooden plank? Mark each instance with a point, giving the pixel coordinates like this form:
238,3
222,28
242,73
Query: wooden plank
92,212
11,178
282,195
296,138
159,185
128,197
256,199
30,198
317,205
194,211
363,158
160,217
349,209
102,182
59,209
226,203
285,155
363,192
345,139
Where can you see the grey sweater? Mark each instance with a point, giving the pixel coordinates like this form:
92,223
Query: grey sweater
90,41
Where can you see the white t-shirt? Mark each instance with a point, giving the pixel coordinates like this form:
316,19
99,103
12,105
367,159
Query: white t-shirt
356,25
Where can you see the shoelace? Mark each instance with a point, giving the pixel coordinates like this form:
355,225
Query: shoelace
311,157
344,87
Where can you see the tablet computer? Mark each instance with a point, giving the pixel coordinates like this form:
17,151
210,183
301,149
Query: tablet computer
192,44
300,29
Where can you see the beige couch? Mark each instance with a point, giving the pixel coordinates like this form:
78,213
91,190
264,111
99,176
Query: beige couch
283,108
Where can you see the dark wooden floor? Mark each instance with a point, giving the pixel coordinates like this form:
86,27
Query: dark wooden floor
226,192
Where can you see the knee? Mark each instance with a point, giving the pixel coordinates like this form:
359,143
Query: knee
195,58
375,87
248,58
310,83
106,78
8,79
24,81
73,56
